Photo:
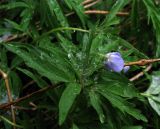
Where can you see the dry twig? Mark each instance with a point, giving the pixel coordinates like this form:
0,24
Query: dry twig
91,4
142,62
11,38
2,106
10,99
85,6
141,73
105,12
28,84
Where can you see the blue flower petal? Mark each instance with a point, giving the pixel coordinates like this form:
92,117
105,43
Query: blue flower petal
114,62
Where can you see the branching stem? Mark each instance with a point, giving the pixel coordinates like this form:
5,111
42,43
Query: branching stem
10,99
2,106
142,62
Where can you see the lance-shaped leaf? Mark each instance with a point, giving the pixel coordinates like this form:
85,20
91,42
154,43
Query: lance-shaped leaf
67,99
42,61
96,103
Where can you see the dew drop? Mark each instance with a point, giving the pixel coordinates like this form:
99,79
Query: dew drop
69,55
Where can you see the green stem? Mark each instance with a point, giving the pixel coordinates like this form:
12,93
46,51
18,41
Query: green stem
146,95
61,29
66,28
10,122
101,55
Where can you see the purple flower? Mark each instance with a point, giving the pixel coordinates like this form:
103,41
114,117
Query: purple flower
114,62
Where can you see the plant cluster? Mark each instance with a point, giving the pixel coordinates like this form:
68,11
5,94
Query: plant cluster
63,64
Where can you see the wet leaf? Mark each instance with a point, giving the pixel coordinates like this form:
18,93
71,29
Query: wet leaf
67,99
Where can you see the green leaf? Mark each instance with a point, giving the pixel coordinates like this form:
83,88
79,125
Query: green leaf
154,88
86,46
70,49
74,126
16,84
117,84
67,45
55,8
153,92
122,105
68,3
12,5
96,43
16,62
135,15
78,8
35,78
26,18
14,25
46,44
155,103
67,99
60,55
110,19
42,62
3,58
132,127
120,89
96,103
38,80
9,122
154,15
130,46
46,16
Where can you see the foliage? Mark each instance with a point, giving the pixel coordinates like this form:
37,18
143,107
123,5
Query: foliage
54,43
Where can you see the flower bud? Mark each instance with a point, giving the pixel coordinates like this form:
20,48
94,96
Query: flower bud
114,62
